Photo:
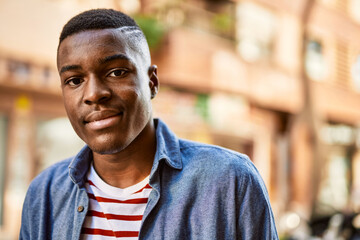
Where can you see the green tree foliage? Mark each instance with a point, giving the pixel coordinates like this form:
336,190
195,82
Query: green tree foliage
152,28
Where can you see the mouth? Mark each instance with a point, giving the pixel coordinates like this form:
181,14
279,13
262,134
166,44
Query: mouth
102,119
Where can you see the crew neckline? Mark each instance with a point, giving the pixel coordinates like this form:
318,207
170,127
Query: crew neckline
114,191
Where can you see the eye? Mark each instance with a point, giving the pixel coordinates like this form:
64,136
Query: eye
117,73
74,81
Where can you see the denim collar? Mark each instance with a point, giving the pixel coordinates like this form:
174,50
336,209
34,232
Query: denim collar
167,149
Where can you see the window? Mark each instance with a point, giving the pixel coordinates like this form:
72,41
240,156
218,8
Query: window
334,190
339,141
19,70
256,27
314,61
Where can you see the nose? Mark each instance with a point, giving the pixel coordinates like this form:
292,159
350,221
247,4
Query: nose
96,91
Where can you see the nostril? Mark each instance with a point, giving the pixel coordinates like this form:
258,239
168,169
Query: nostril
104,98
97,100
87,102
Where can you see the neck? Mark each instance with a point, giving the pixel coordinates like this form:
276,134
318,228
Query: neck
132,164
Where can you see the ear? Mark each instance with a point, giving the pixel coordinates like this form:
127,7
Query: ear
154,80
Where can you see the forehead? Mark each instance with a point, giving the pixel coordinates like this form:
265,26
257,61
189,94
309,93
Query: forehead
95,44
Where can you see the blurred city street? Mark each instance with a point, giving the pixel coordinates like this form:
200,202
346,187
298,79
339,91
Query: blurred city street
277,80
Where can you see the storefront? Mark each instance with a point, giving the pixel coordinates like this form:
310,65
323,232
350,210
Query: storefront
339,186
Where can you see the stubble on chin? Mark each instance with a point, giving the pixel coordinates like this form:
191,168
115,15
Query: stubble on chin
107,149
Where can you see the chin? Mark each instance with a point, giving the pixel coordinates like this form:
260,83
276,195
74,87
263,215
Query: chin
106,144
110,146
106,149
106,152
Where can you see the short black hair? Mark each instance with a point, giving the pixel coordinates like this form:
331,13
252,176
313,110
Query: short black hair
96,19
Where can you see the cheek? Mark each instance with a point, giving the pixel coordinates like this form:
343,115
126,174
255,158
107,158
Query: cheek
70,110
144,99
73,121
72,113
71,105
145,92
135,95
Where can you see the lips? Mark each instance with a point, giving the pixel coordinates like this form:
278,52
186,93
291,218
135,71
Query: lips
102,119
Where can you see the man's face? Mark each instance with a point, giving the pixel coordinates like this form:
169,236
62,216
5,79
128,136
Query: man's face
106,85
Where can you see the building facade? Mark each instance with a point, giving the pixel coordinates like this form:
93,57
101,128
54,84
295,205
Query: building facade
250,75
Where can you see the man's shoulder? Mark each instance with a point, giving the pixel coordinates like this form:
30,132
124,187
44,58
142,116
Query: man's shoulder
57,173
222,167
205,156
215,157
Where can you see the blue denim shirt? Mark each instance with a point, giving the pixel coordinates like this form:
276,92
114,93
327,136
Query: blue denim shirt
199,192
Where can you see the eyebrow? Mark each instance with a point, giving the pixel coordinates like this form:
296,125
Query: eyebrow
69,67
101,61
115,57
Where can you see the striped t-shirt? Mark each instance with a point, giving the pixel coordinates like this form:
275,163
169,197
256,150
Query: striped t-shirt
114,213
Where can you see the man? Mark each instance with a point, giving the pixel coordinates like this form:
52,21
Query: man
135,179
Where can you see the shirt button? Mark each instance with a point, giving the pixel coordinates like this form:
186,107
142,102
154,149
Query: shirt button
80,208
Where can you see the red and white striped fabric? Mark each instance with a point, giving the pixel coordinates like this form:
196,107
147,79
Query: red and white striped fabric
114,213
